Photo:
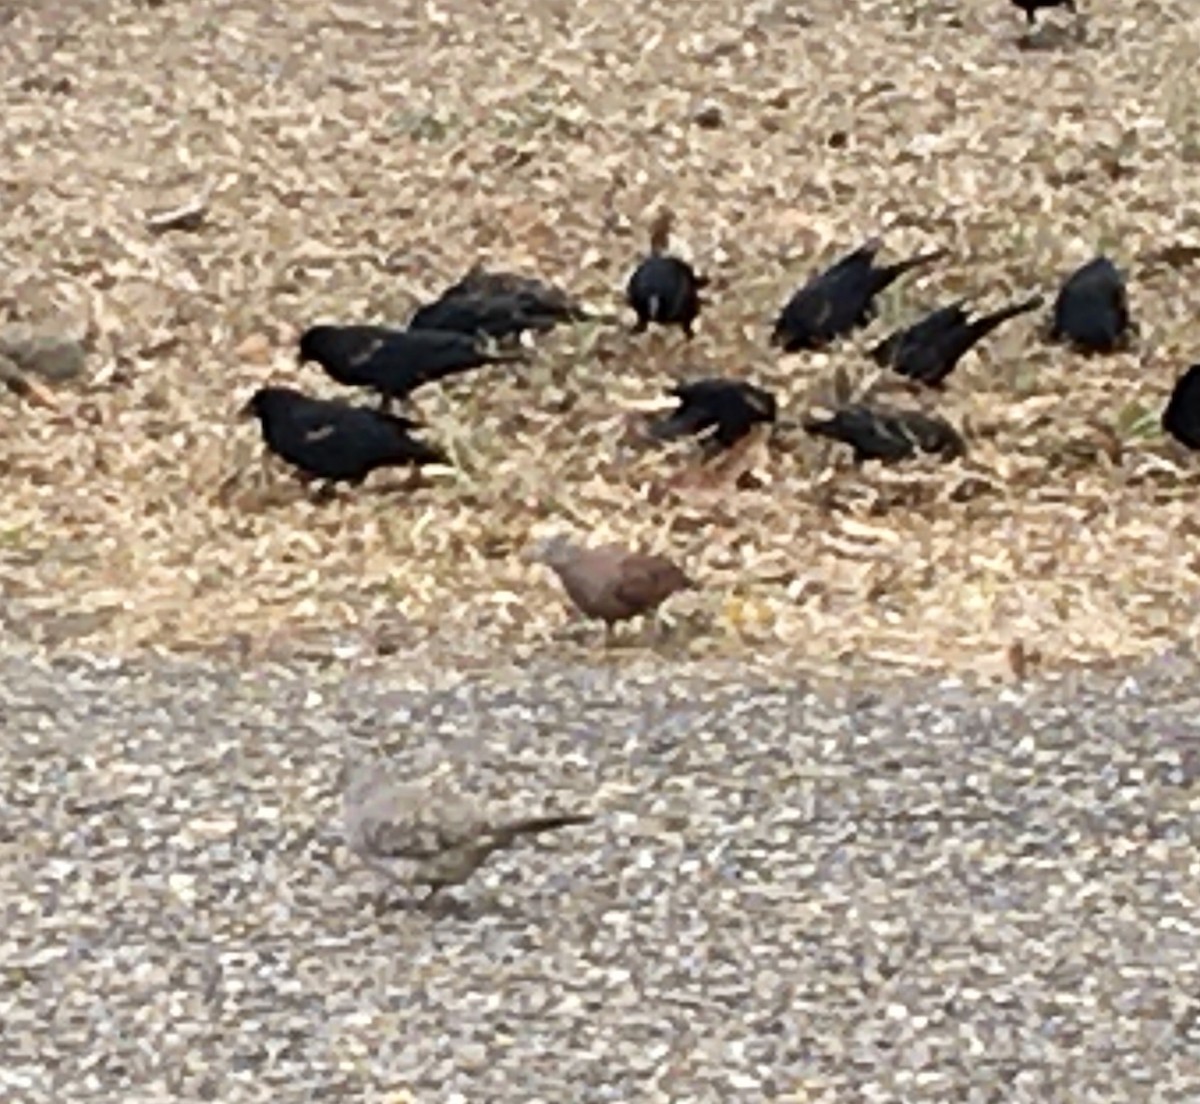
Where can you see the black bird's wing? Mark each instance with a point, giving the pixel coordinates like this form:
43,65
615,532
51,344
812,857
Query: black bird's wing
733,406
876,433
870,436
414,358
829,304
544,297
899,349
1181,417
474,313
362,342
928,432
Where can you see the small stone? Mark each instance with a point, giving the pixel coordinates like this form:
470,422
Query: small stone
709,115
256,349
54,358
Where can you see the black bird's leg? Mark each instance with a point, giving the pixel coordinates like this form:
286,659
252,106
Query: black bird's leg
326,492
641,325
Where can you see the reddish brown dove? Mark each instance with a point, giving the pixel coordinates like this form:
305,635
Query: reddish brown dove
610,583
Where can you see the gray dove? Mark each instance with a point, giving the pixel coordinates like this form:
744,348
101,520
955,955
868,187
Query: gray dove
423,834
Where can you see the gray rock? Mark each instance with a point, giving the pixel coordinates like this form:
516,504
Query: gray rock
52,357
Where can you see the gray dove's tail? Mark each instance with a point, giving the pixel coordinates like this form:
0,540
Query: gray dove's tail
532,826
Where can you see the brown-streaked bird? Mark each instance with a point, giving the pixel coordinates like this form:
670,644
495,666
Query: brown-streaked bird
610,583
422,833
883,433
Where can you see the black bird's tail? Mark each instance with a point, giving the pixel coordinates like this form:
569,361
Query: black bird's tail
886,275
985,324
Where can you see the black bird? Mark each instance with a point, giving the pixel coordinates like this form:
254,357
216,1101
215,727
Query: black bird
1029,7
494,315
929,350
394,362
1092,309
882,433
840,299
664,289
733,407
1181,418
334,441
539,297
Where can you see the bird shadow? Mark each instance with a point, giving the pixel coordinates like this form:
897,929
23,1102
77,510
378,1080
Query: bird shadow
654,633
445,908
434,906
1053,36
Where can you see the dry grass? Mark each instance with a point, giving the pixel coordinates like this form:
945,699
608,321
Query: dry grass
360,155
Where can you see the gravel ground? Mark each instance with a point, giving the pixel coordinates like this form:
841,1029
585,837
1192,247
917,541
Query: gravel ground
793,892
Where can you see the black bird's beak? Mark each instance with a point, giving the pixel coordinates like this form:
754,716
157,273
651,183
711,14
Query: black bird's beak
246,410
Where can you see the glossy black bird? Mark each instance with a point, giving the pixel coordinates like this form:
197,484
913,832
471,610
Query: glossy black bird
492,314
1181,418
1030,7
840,299
882,433
729,408
335,441
394,362
539,297
1092,309
664,289
929,350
